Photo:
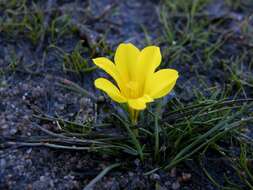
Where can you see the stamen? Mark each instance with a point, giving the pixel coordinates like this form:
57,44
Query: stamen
133,89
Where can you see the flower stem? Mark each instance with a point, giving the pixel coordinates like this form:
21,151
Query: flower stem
134,119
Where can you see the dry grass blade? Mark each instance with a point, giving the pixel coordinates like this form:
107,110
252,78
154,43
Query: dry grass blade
100,176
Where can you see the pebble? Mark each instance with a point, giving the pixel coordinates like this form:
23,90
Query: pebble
131,174
5,126
175,185
186,177
173,172
155,177
2,163
13,131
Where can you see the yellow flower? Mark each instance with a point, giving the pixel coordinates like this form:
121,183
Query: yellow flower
135,75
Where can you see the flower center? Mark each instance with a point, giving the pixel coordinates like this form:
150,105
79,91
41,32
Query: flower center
133,89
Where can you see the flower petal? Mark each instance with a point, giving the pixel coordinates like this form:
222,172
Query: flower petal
125,59
139,103
110,89
161,83
107,65
150,58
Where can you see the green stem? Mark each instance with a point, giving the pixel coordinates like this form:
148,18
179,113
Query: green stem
156,139
134,120
133,137
135,130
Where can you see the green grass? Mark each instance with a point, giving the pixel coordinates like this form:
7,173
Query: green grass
187,33
45,30
73,62
241,166
183,132
188,132
22,19
59,27
192,38
18,20
12,65
240,74
239,5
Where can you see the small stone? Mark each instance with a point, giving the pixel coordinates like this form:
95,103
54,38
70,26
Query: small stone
186,177
137,162
29,151
167,183
84,102
13,131
2,163
175,185
173,172
5,126
42,178
155,177
29,187
131,174
37,92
